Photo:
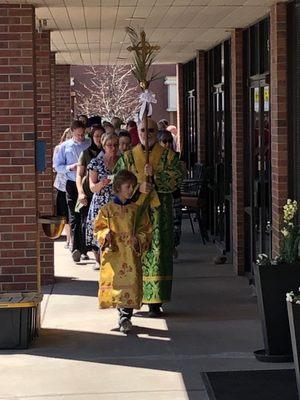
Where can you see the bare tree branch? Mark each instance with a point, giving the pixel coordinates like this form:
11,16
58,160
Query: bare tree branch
109,93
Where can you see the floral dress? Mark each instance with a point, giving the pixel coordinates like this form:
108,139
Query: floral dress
98,200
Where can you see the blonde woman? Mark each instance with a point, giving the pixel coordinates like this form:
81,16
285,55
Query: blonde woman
100,171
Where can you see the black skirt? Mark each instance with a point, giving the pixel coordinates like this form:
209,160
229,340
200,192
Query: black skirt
61,205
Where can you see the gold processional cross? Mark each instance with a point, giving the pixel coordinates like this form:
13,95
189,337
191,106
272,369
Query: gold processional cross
143,49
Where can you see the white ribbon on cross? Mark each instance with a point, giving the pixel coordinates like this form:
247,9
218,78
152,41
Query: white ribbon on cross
146,98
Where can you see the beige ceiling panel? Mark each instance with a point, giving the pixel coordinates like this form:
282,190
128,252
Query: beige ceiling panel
106,35
188,35
160,36
43,12
93,35
50,3
142,12
119,35
73,3
209,17
111,3
124,12
92,16
127,3
172,15
108,17
61,18
72,46
188,15
77,17
227,2
243,16
211,35
155,16
68,36
80,36
149,3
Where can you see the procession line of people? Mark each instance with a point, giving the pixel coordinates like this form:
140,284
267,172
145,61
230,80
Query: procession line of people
107,184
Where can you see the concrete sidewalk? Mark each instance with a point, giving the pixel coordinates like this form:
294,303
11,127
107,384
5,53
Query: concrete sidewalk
211,324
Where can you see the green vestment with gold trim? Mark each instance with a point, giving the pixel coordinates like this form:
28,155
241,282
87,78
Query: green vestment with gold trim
157,263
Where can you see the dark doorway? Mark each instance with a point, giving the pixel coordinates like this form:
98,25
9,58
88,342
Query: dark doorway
189,115
219,146
257,150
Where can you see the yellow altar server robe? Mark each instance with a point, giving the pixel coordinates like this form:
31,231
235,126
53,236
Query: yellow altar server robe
120,282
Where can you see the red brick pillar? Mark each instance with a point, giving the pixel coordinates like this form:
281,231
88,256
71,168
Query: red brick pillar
44,133
237,151
62,100
18,226
201,104
279,142
53,94
180,102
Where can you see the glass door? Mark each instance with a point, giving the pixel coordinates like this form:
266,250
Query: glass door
259,179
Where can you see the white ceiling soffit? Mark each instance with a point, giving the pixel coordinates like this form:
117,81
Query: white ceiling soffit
93,31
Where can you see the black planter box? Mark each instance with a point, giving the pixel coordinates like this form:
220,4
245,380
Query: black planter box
294,321
19,319
18,327
272,284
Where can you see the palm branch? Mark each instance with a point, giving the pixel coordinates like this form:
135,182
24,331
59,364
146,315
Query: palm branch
143,58
141,210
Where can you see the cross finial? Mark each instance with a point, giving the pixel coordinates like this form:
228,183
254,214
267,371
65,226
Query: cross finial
143,46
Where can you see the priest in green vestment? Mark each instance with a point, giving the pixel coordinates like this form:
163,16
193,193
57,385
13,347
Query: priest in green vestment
165,172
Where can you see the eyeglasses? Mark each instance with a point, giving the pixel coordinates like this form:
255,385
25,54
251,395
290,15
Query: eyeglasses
149,130
112,145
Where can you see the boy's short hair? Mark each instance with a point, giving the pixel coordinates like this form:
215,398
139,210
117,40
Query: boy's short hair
77,124
124,133
121,177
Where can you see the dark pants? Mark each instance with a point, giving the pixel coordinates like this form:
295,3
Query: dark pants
125,314
75,218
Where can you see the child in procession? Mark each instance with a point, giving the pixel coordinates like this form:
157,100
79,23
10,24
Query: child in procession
124,235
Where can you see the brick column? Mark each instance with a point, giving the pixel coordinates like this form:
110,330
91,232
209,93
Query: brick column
237,151
18,225
279,145
53,94
62,100
44,133
201,105
180,100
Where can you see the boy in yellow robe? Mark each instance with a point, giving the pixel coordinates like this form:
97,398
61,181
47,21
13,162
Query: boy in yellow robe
123,236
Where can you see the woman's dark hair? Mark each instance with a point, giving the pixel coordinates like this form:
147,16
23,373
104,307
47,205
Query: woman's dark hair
121,177
77,124
97,128
124,133
107,123
131,124
165,136
93,147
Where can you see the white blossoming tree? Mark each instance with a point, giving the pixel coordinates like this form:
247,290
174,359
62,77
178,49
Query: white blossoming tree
109,92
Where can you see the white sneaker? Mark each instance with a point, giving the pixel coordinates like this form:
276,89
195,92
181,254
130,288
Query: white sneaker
96,266
125,326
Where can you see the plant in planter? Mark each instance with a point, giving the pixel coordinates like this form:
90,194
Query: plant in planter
293,307
273,279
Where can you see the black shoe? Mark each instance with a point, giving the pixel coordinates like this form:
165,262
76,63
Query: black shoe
154,311
76,255
85,257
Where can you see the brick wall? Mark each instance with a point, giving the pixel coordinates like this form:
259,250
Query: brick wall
279,149
62,100
201,104
237,150
17,149
44,132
